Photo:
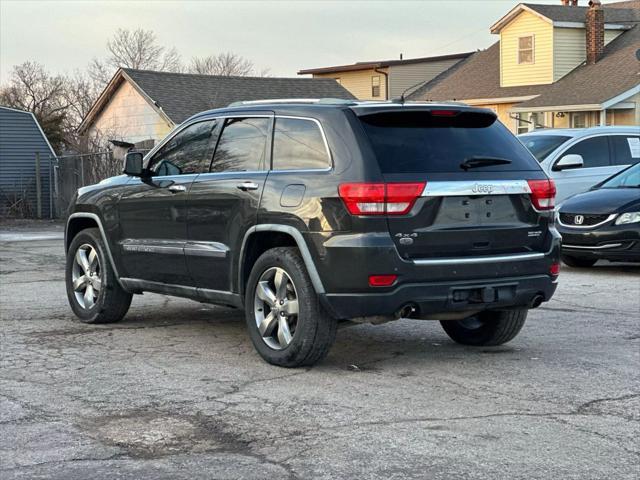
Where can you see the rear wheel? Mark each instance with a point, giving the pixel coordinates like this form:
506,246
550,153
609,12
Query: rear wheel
488,328
94,294
286,322
577,262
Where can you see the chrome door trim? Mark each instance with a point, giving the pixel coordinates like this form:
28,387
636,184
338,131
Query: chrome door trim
206,249
480,260
476,187
95,218
585,227
196,249
596,247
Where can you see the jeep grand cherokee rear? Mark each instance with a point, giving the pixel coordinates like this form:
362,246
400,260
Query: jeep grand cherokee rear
452,220
309,214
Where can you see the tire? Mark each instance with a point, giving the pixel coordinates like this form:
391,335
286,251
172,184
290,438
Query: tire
577,262
107,302
488,328
312,331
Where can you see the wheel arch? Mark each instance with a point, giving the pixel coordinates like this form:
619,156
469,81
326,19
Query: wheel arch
82,220
260,238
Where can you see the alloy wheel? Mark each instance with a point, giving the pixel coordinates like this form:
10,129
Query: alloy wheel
276,308
86,276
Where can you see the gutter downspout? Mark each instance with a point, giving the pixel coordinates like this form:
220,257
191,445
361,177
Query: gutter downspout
386,82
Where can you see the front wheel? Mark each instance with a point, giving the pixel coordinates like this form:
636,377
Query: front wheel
94,294
577,262
488,328
286,322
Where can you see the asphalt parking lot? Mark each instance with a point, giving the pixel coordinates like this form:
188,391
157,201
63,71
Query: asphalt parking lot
177,391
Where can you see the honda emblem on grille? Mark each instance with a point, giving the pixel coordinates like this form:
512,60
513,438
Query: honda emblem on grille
578,219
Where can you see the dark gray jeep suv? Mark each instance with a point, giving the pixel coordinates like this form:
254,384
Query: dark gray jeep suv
307,214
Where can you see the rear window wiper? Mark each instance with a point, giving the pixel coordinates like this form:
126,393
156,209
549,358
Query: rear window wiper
478,161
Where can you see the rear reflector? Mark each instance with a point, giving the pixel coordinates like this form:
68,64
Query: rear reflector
554,269
380,198
382,280
543,193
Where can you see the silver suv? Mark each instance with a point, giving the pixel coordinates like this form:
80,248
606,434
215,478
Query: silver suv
578,159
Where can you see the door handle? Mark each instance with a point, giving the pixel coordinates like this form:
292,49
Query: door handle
177,188
244,186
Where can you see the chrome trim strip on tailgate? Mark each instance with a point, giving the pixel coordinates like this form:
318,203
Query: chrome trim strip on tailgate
476,187
596,247
485,259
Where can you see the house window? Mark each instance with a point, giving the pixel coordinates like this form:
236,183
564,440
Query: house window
525,50
375,86
528,122
579,120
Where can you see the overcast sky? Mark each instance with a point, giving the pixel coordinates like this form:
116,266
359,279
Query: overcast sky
284,36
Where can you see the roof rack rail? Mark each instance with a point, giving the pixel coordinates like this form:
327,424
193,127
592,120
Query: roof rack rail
324,101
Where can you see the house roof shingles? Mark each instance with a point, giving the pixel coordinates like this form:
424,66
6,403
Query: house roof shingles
182,95
384,63
613,13
478,77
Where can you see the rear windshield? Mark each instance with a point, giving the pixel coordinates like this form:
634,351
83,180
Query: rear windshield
542,145
416,142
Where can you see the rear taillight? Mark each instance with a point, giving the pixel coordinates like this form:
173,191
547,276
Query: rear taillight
380,198
554,269
444,113
543,194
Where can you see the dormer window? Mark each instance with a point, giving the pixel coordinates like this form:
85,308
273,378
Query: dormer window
525,50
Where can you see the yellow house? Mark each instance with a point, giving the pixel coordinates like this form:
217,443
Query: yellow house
554,66
387,79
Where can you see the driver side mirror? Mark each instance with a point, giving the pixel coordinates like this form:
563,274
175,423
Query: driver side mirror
133,164
569,161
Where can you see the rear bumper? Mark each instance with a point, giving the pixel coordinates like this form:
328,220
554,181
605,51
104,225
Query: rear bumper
438,298
435,285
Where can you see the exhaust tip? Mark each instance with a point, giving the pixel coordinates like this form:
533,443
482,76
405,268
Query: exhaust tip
410,310
537,301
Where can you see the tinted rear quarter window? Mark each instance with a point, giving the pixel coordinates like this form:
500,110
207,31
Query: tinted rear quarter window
242,145
594,152
416,142
626,149
298,144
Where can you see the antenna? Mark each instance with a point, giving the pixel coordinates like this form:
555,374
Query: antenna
419,84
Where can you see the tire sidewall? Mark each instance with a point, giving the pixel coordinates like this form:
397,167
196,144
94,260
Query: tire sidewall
304,335
87,237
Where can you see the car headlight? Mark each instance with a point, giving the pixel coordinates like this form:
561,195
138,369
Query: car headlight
629,217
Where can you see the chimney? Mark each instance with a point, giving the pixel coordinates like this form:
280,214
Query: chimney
595,31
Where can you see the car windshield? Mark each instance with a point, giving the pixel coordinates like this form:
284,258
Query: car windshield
542,145
628,178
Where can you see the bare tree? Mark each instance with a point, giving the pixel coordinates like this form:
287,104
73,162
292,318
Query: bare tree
226,64
134,49
33,89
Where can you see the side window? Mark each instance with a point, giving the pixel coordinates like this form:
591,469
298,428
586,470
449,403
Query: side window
298,145
594,152
242,145
186,152
626,149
